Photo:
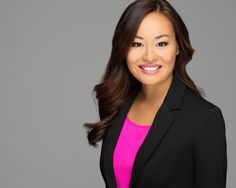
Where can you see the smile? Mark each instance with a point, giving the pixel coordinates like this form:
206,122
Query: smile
150,69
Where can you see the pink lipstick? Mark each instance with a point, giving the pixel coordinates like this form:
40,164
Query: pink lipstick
150,68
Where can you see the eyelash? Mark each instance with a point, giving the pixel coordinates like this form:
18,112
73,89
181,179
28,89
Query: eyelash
166,43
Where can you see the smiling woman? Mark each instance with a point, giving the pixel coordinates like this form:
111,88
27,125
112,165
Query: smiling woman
178,140
152,52
152,33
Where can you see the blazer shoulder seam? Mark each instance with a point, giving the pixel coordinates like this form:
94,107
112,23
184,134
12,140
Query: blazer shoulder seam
203,117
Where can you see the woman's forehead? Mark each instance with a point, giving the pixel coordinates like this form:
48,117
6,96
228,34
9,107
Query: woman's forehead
155,24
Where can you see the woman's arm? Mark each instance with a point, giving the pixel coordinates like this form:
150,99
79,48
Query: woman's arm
210,151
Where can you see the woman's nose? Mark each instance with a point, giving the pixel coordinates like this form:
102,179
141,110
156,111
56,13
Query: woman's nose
149,54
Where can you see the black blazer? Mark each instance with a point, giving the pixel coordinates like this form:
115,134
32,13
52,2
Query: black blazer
184,148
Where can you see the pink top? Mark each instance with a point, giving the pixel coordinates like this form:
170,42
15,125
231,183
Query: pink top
130,139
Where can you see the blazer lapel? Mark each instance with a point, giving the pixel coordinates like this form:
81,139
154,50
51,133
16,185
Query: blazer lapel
160,125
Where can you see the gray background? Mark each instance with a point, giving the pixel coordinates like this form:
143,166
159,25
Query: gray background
52,53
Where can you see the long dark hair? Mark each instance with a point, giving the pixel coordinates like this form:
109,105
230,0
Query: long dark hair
117,84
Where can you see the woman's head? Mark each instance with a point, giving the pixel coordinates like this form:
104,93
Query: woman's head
154,44
122,79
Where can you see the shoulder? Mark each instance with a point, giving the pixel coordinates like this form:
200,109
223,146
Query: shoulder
198,106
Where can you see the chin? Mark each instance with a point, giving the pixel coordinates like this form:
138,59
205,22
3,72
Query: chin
150,81
155,80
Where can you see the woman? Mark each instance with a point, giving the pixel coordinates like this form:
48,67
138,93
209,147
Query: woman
157,129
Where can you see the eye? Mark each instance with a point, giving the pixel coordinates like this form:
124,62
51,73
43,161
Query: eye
161,44
136,44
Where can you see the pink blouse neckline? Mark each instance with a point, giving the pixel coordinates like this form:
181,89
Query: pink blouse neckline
138,125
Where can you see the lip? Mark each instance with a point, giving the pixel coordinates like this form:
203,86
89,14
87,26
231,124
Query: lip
150,72
150,65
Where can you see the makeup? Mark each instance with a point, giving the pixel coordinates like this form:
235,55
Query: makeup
150,68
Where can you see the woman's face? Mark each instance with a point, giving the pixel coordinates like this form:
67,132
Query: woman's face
151,48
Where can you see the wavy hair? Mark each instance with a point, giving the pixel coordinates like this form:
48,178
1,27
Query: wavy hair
117,84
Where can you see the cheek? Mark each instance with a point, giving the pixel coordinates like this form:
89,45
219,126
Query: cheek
169,58
132,56
132,60
132,67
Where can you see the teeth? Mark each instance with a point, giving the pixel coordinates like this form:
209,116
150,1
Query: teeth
150,68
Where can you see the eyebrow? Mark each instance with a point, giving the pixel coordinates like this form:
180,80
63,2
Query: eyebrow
157,37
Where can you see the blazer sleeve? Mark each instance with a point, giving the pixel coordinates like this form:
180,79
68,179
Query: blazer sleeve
210,151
